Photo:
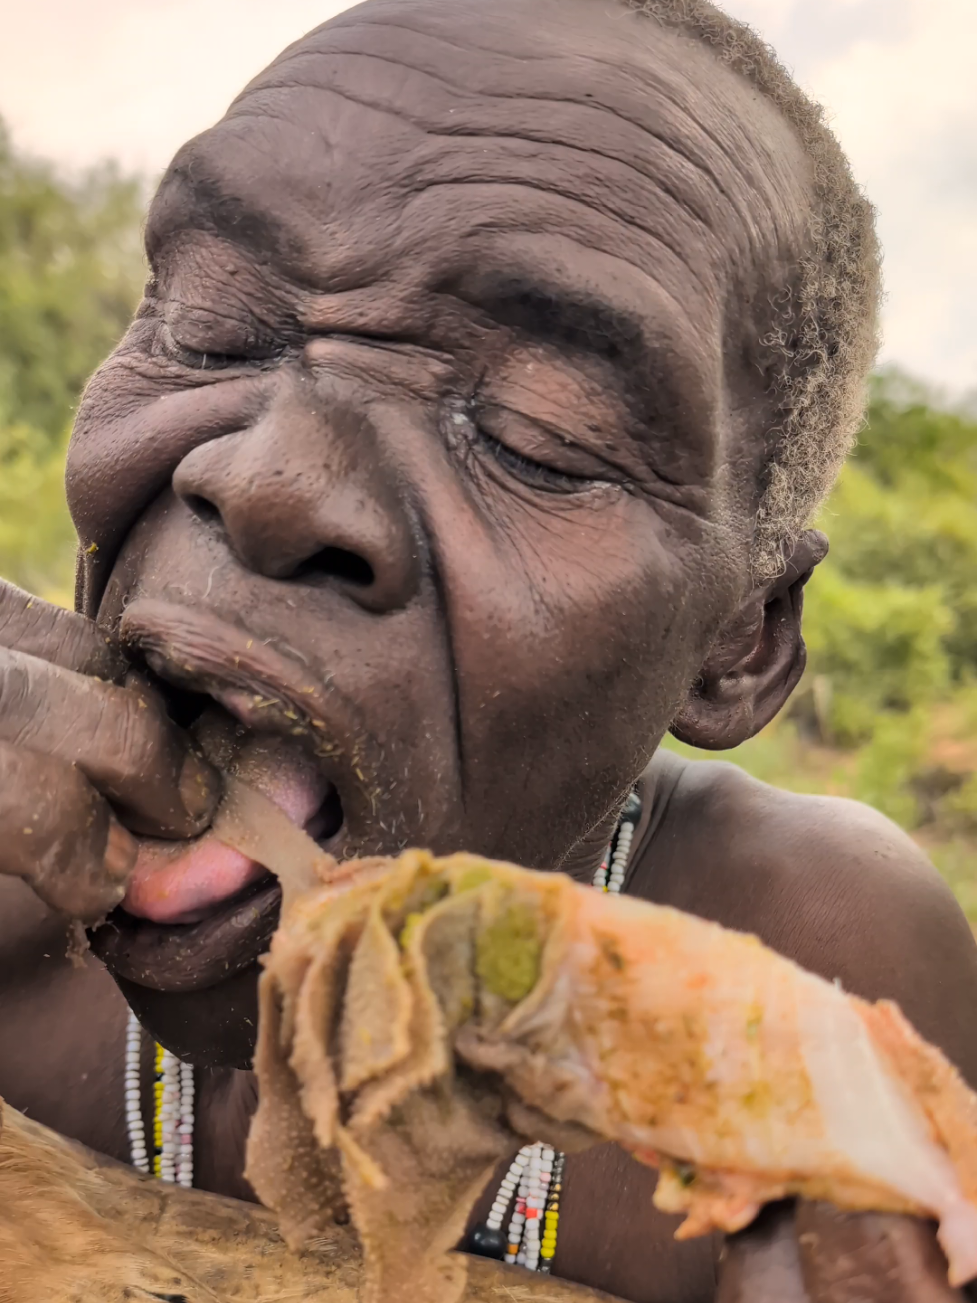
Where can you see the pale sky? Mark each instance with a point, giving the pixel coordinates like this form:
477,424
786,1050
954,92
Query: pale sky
82,80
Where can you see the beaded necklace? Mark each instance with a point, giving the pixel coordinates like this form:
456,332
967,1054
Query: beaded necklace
534,1181
534,1178
173,1092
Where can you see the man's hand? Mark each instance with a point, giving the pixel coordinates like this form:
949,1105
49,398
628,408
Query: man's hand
812,1253
82,739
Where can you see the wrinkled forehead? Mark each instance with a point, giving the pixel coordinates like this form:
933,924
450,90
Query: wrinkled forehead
407,135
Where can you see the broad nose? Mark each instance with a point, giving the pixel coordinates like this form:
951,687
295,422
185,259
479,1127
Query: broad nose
306,496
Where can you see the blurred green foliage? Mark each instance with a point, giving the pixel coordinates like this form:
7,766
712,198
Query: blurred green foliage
887,710
71,271
37,539
891,620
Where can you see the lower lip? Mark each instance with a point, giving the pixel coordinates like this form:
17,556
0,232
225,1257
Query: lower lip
190,956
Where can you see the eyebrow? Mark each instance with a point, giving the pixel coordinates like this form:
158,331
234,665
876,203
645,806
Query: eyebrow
192,194
572,319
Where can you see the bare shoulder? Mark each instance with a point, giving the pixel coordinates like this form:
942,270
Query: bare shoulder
831,883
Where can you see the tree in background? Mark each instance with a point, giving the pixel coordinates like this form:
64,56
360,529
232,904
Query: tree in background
71,271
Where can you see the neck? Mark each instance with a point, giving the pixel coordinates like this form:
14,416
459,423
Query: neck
585,856
226,1101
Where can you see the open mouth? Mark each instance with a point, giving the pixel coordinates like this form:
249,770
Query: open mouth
197,912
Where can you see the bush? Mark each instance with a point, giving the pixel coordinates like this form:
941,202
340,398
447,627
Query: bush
881,648
37,538
71,270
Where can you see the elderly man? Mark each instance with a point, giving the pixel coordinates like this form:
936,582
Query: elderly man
492,363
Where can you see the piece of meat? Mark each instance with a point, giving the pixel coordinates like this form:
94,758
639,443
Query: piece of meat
742,1077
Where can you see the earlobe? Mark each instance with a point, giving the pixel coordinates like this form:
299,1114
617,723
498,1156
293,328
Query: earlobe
756,660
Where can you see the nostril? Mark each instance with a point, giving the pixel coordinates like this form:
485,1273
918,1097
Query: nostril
336,563
202,507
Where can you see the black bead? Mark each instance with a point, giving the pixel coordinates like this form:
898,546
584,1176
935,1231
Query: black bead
632,808
486,1242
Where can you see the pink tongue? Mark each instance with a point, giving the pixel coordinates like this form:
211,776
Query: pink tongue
183,882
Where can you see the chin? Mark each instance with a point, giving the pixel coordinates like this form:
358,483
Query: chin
212,1028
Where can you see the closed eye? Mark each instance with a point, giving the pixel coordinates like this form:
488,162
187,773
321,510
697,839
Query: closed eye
197,359
532,472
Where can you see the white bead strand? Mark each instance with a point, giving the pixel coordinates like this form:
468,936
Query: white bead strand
522,1196
539,1173
600,876
517,1175
512,1186
134,1120
619,860
169,1115
184,1169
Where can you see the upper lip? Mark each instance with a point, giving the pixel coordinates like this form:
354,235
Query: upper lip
266,687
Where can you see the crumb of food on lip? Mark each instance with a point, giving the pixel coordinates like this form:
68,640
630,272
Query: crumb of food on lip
78,946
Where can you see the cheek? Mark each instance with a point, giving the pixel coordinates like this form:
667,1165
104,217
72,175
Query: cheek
131,433
576,637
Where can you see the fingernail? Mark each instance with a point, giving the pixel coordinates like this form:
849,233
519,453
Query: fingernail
200,787
120,852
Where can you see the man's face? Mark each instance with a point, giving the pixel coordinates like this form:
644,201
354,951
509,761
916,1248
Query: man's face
434,447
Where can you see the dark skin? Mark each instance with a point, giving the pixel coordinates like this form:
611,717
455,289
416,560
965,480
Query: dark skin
435,450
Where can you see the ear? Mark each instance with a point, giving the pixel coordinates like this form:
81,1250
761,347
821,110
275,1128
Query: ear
756,660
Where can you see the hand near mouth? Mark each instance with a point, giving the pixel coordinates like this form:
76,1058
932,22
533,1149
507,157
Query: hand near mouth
84,746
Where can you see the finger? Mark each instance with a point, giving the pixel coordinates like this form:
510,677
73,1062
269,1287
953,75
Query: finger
58,834
870,1258
761,1264
31,625
120,740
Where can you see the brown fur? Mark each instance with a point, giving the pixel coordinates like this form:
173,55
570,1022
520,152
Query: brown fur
75,1228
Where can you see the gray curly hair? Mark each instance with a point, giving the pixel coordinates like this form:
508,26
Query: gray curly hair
825,335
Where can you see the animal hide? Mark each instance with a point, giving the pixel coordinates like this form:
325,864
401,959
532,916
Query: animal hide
76,1228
